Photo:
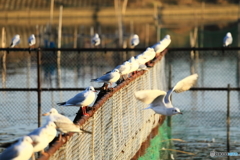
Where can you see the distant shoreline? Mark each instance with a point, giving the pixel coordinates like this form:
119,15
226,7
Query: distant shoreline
167,14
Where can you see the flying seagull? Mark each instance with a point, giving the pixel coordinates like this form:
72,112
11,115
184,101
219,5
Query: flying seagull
160,100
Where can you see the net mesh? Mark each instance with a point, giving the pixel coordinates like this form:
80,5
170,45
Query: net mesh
119,126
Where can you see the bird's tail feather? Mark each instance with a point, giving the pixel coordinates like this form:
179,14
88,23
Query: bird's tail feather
92,80
61,103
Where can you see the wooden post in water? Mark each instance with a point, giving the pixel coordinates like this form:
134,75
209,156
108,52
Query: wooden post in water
117,5
51,14
39,89
75,37
169,118
4,57
228,119
147,35
59,46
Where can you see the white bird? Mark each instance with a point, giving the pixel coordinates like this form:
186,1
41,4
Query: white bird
64,124
135,40
15,41
124,68
82,99
164,43
227,39
22,150
42,136
149,54
96,40
134,64
32,40
160,100
109,77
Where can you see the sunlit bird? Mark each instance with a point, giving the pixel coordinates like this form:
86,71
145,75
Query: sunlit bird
31,40
64,124
42,136
134,40
21,150
163,44
15,41
96,40
160,100
227,40
109,77
82,99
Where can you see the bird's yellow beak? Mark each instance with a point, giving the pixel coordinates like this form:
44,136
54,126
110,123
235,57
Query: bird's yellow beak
46,114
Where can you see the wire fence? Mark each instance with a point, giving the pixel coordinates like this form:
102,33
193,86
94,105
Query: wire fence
205,105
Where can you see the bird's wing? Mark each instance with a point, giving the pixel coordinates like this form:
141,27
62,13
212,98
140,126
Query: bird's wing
11,152
148,96
76,100
35,132
106,77
61,119
158,101
185,84
68,127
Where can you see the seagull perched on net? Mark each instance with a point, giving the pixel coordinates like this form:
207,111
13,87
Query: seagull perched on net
64,124
22,150
163,44
227,40
96,40
42,136
31,40
109,77
15,41
82,99
160,100
134,40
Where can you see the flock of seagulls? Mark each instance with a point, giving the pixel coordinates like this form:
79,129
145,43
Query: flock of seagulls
158,100
134,41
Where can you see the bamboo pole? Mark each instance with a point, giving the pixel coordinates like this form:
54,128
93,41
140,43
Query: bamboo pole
4,57
59,46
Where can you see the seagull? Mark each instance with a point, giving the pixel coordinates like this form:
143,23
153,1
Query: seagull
64,124
42,136
160,100
109,77
32,40
227,40
134,40
161,45
134,64
82,99
15,41
96,40
124,69
149,54
22,150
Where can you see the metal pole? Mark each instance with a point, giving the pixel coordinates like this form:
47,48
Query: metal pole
39,85
228,119
169,118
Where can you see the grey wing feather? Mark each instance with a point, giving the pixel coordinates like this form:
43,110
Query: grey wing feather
76,99
35,132
10,152
168,95
158,101
106,77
